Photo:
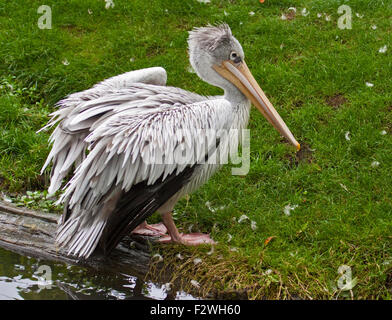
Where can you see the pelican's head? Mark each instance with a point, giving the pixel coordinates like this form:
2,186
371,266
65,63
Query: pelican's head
218,58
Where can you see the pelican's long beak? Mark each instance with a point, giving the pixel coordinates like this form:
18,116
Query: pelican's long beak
242,78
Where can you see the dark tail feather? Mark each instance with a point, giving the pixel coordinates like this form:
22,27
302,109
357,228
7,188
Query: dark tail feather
136,205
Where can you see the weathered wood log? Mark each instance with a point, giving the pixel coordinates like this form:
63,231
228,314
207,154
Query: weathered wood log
31,233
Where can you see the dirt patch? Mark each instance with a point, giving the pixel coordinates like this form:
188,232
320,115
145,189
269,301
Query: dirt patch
290,15
305,155
336,100
230,295
155,50
68,27
41,182
298,103
72,28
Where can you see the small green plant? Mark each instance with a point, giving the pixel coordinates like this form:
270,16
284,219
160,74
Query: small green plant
37,200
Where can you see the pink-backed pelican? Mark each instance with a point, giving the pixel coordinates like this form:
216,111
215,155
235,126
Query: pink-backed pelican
117,133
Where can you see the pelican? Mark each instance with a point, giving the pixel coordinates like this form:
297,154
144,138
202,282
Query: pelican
116,134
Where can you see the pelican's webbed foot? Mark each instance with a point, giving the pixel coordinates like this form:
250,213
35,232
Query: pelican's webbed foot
192,239
150,230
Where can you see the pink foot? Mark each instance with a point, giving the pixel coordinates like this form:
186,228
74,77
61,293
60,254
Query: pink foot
191,239
150,230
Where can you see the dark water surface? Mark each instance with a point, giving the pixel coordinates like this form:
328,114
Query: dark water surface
26,278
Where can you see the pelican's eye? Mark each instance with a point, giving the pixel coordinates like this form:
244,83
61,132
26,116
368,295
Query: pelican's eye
234,56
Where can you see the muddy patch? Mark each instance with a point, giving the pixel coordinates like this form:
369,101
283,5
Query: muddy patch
155,50
73,29
305,155
336,100
298,103
240,294
289,15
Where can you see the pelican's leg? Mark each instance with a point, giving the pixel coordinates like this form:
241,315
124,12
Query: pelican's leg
191,239
152,230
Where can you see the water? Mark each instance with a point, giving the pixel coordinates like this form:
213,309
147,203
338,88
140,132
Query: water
25,278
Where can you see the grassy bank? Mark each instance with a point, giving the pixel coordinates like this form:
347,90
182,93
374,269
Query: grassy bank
315,74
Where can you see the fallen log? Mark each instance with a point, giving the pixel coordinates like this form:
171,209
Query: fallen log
31,233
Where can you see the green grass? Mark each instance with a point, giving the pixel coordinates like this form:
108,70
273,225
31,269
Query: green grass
22,151
344,213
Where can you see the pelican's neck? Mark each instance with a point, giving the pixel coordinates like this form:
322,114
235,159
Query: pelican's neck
241,107
240,104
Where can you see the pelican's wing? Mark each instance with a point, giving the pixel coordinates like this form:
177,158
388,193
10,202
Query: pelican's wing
137,161
68,142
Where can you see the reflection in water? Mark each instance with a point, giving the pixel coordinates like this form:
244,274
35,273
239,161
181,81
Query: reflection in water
25,278
11,287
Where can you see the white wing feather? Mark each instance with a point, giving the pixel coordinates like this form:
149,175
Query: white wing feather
81,112
132,147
